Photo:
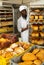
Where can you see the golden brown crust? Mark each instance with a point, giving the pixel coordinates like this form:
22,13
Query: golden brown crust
29,57
37,62
26,63
35,51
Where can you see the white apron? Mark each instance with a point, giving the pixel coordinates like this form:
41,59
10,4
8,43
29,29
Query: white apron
24,36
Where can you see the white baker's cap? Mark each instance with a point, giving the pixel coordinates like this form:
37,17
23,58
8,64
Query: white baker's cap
22,7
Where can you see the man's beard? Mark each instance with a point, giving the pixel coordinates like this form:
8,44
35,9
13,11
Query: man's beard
24,16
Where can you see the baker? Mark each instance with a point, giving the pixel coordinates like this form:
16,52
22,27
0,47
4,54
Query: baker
22,24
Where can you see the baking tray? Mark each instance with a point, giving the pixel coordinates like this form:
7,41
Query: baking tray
16,60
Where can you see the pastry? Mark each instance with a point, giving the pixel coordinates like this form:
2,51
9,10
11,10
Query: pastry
31,20
2,40
42,34
26,46
14,53
22,63
7,54
33,64
20,44
42,51
9,49
37,10
40,55
34,27
26,63
35,34
36,17
0,52
14,45
35,51
41,27
19,50
32,17
37,62
36,57
33,41
39,41
29,57
40,17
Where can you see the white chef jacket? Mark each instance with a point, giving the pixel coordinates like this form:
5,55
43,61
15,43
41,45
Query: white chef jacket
22,23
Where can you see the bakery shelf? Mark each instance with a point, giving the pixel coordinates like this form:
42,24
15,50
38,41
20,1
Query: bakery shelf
9,6
37,31
35,37
7,29
5,12
6,25
36,19
9,18
5,9
35,13
6,19
3,20
31,23
4,16
36,6
7,32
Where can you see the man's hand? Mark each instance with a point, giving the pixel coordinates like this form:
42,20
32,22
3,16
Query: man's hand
23,29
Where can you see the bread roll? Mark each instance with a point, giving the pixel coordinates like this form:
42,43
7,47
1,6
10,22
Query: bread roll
42,51
14,46
31,17
9,49
37,10
2,40
0,52
40,17
26,46
19,50
35,34
33,64
37,62
7,55
40,56
28,57
31,21
39,42
26,63
35,51
36,17
34,27
41,27
33,41
42,34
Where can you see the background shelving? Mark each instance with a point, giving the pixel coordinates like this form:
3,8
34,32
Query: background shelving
36,25
6,19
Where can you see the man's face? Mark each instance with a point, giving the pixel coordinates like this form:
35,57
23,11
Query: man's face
24,13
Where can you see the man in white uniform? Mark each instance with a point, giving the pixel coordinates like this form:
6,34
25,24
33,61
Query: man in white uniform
23,24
